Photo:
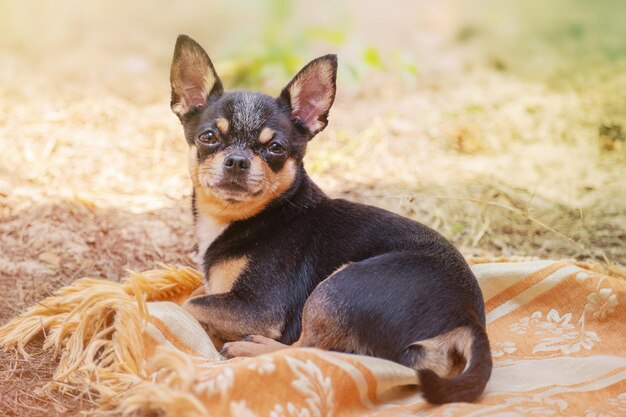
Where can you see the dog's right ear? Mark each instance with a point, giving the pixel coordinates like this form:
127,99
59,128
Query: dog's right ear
192,77
311,93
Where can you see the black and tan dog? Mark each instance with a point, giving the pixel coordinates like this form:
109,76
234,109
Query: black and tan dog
286,265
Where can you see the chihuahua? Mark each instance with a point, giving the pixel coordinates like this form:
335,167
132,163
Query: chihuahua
284,264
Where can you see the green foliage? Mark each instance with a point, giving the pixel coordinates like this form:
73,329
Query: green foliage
280,50
378,60
372,57
456,228
474,108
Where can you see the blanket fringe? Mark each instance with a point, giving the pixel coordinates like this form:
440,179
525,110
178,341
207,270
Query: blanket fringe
168,391
94,327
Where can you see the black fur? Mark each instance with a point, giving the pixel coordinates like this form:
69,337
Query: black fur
404,282
263,111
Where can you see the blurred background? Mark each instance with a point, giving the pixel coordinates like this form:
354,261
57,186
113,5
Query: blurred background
500,123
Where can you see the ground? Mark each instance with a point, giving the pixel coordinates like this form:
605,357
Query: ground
501,160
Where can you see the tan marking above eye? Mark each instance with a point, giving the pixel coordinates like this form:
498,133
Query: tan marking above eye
209,204
266,135
222,125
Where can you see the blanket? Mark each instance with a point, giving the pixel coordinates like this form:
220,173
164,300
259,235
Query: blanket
557,332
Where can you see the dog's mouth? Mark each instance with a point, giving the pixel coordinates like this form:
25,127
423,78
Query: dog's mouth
233,186
234,190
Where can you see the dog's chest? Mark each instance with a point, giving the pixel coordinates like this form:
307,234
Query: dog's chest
223,273
207,230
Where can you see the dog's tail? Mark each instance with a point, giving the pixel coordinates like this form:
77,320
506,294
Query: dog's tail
470,383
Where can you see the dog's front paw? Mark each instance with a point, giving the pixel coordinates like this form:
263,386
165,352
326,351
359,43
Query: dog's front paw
238,349
266,341
253,345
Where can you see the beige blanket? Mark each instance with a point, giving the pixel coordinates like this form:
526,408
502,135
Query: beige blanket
557,330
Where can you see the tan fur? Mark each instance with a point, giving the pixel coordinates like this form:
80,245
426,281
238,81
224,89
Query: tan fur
257,345
439,351
266,135
222,125
321,325
209,203
222,276
324,330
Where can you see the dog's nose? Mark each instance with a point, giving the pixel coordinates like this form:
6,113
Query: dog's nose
236,163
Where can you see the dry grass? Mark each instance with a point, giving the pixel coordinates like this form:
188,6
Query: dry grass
93,177
23,387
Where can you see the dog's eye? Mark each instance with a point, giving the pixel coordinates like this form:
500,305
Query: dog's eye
276,148
208,138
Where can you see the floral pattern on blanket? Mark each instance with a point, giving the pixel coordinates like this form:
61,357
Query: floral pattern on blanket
557,334
557,344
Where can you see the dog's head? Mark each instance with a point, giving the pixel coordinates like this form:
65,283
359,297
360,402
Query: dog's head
246,148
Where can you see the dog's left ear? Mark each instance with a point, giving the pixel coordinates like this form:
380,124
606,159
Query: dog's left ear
311,93
192,77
